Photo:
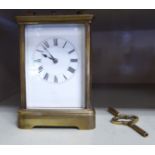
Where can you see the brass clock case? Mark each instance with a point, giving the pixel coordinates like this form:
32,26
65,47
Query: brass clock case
80,118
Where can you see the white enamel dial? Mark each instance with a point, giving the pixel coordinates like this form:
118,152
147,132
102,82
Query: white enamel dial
55,66
55,60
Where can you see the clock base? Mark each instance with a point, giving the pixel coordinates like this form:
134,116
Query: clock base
82,118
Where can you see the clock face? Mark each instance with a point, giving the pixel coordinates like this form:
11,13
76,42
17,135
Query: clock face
55,66
55,60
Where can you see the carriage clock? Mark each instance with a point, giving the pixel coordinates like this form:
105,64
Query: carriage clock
55,71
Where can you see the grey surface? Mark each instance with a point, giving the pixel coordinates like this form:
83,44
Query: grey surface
105,132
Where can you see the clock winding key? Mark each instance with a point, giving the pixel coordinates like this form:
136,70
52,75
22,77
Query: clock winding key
128,120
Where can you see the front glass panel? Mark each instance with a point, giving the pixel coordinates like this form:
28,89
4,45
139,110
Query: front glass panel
55,66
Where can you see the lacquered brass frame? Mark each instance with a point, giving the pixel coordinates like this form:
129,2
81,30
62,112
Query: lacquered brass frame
80,118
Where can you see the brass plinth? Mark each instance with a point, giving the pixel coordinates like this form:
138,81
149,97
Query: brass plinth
82,118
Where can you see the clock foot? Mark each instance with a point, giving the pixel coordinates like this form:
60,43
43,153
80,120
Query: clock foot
83,119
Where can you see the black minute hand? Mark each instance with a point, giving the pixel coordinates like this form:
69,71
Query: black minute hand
54,60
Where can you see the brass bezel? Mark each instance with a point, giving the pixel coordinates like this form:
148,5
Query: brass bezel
24,113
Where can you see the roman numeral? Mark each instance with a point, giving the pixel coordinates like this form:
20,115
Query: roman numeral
46,44
70,69
38,60
40,69
44,47
74,60
64,44
55,41
71,51
55,79
46,76
65,77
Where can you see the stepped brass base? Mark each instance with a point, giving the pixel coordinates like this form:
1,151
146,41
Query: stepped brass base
82,118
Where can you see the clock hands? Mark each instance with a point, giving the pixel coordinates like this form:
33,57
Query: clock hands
46,56
51,56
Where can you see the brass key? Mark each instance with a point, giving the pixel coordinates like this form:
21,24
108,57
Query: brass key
128,120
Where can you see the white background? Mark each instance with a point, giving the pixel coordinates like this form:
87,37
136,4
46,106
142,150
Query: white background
78,4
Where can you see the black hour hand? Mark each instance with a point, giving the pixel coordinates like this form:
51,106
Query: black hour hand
45,55
51,58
